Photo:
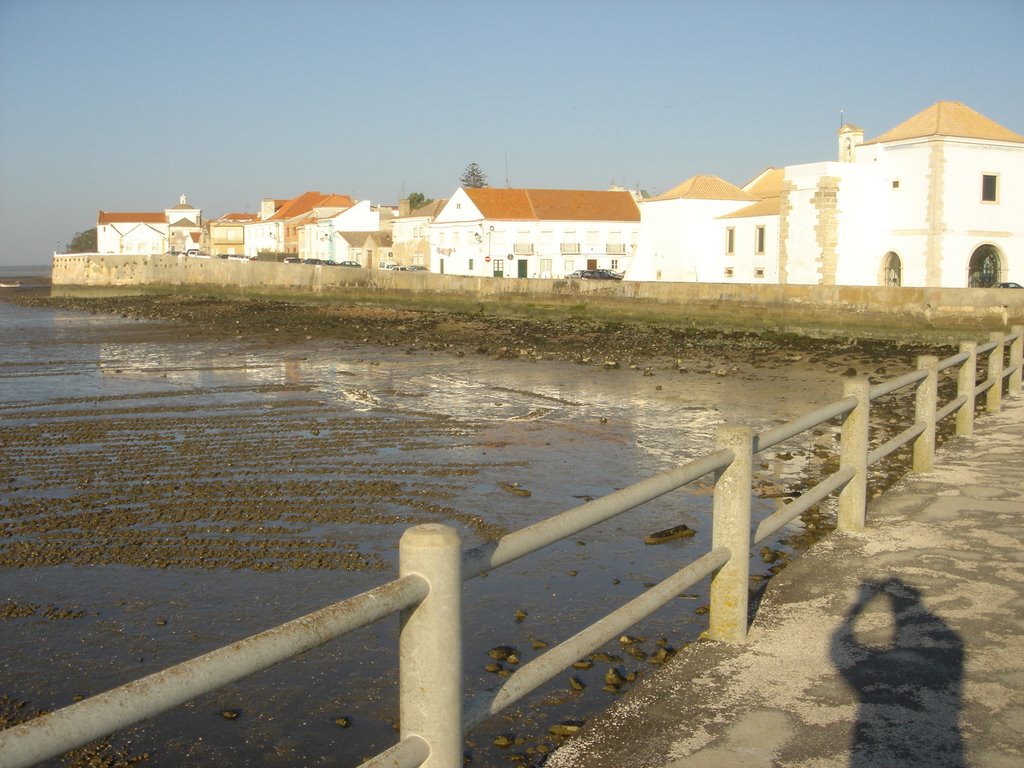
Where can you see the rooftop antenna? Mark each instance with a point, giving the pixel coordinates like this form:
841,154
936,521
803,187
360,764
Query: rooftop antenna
507,185
841,123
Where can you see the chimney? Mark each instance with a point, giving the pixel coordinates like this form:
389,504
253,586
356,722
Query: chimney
403,207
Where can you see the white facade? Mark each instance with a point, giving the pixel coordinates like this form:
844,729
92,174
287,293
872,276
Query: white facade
139,237
936,201
511,240
324,238
938,219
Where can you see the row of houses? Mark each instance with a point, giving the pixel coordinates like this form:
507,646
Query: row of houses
937,200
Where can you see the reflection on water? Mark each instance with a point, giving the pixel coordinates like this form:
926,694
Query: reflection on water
209,450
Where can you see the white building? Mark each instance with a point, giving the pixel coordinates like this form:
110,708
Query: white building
546,233
176,229
325,234
681,239
279,227
936,201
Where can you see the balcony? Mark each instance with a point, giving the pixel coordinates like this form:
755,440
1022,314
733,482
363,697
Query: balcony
619,248
522,249
570,248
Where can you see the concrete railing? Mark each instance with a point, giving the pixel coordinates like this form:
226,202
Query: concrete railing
433,566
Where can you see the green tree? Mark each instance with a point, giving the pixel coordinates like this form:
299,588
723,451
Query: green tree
473,176
418,200
83,242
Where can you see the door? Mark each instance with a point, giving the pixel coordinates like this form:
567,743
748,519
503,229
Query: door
522,267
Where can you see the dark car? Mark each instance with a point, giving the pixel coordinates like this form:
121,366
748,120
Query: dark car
1009,285
349,264
599,274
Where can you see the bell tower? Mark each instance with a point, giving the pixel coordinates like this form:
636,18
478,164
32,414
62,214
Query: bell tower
850,137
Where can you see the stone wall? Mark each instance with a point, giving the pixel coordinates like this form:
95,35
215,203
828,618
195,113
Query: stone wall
879,311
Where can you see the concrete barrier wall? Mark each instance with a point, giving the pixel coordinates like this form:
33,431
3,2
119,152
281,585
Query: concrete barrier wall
881,311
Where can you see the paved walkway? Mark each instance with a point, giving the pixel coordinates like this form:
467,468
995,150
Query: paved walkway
899,646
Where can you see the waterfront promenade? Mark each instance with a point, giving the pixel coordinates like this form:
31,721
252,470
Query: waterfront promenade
902,645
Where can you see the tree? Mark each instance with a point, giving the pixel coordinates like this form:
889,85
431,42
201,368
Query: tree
83,242
473,176
418,200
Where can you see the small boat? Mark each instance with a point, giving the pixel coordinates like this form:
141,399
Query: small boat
15,284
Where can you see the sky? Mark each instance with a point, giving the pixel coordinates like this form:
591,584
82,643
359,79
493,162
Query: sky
124,105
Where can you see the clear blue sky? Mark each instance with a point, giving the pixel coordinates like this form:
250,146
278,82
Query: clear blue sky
125,105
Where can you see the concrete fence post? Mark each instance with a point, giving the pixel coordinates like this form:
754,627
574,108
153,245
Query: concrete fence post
967,386
853,453
731,529
430,644
994,396
1016,361
925,405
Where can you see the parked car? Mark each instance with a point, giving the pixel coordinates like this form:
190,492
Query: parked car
599,274
1009,285
349,264
292,260
412,268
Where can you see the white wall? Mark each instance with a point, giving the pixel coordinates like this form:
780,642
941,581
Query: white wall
128,237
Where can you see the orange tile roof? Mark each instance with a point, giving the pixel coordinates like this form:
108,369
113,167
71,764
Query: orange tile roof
239,217
768,183
306,202
769,206
336,201
705,187
554,204
948,118
108,217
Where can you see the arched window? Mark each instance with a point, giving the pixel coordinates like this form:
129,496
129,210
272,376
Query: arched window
893,270
985,267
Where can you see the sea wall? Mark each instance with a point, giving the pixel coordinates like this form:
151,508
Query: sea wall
881,311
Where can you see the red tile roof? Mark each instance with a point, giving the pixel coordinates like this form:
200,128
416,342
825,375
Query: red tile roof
109,217
554,204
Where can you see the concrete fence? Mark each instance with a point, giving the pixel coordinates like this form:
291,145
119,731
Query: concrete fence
947,313
433,566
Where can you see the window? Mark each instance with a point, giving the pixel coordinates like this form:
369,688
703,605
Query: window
730,241
989,188
759,239
470,265
592,237
758,271
895,183
615,265
728,271
568,266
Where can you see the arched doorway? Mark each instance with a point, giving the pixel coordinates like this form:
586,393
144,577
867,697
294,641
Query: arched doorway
892,270
985,268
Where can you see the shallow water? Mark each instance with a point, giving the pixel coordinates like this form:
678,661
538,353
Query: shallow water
233,462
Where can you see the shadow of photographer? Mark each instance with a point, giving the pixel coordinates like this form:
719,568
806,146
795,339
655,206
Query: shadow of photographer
906,666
